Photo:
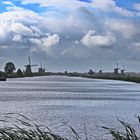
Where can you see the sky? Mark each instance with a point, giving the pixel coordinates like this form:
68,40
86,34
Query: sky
72,35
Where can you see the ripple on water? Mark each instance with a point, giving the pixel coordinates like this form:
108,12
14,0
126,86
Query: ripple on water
54,100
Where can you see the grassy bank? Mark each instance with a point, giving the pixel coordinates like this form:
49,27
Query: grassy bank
127,78
122,78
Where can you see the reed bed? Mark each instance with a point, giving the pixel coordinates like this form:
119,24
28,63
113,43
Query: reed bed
128,133
18,127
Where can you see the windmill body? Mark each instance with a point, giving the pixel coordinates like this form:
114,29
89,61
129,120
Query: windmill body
29,68
101,70
116,70
41,70
123,70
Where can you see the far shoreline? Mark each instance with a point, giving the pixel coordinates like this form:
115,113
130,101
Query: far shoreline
127,78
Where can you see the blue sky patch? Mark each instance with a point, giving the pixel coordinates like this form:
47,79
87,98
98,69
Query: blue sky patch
2,8
127,4
89,1
34,7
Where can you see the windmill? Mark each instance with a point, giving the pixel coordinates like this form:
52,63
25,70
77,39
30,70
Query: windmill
41,70
123,70
29,67
116,70
44,68
101,70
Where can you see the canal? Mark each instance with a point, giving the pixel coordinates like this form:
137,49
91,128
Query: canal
55,101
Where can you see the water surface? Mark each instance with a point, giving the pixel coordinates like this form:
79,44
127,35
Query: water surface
55,100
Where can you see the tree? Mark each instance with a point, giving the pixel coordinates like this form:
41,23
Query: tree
9,68
19,73
2,74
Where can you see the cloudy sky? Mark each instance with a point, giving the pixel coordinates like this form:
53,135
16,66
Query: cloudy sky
72,35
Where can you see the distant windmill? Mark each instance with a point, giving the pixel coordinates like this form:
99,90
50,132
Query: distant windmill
116,70
41,70
123,70
29,67
44,68
101,70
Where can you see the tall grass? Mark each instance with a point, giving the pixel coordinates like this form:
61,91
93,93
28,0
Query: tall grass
129,133
18,127
22,128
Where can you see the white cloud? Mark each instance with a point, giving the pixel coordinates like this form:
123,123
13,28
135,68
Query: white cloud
26,28
40,33
51,40
92,40
111,6
68,24
135,46
71,4
2,32
126,28
11,6
37,32
124,12
76,42
46,43
17,38
14,8
8,3
136,6
19,28
103,5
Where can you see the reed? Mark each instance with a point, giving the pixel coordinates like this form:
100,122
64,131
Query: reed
18,127
129,133
22,128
